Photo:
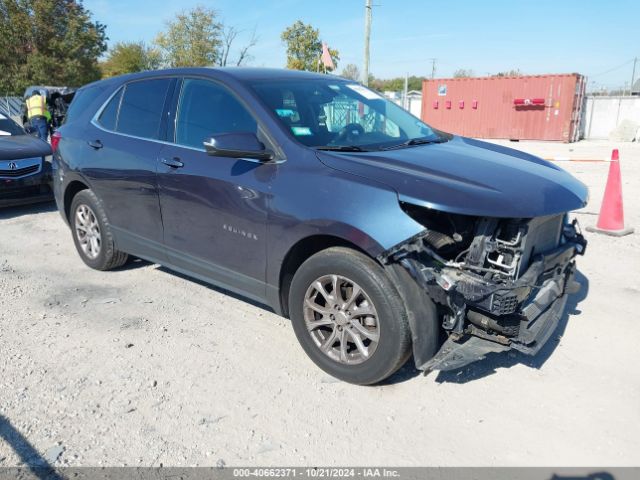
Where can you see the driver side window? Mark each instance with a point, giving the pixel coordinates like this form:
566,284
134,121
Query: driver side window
206,108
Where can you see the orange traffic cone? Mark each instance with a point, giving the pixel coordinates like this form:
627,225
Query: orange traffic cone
611,218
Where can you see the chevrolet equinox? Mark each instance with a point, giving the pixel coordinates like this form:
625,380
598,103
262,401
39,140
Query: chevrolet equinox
378,236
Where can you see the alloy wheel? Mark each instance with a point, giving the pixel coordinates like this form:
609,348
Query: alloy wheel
87,231
341,319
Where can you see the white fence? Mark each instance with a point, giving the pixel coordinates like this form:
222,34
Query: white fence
603,114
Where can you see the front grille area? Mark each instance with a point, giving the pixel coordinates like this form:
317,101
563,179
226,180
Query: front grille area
503,304
19,172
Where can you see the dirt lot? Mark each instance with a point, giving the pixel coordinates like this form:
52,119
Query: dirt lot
144,367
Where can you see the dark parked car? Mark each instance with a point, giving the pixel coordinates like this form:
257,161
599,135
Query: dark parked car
25,173
376,234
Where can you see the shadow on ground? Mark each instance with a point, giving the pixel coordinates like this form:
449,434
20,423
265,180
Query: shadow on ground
494,361
215,288
14,212
39,466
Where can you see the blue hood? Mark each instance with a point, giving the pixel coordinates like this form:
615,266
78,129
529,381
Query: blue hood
15,147
468,177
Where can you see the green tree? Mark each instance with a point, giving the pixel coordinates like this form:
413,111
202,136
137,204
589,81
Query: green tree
304,47
48,42
463,73
395,84
193,39
129,57
352,72
509,73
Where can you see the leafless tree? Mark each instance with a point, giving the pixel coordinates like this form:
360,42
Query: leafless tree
229,35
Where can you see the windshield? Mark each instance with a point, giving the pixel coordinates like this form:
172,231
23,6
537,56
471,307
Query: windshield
9,127
334,114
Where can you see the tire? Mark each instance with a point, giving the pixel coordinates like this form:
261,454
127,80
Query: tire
88,214
312,303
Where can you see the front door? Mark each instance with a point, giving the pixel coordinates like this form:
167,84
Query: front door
214,209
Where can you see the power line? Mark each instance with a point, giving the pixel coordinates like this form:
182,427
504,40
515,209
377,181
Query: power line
612,69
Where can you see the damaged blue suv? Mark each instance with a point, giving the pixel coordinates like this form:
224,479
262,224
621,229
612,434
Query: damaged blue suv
377,235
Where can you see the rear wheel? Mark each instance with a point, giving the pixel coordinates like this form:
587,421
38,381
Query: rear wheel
92,234
349,317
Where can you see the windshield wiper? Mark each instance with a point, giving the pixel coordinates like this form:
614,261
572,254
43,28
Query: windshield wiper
342,148
415,141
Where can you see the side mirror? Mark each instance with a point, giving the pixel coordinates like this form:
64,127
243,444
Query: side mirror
237,145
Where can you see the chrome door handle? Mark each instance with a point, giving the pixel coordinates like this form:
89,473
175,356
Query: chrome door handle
172,162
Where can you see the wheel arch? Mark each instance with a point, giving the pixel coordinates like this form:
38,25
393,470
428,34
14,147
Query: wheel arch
72,189
301,251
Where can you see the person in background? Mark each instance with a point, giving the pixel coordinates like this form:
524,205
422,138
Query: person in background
37,113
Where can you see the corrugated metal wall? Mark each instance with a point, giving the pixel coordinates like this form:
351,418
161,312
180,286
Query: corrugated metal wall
539,107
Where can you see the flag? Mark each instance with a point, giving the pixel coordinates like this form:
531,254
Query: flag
326,57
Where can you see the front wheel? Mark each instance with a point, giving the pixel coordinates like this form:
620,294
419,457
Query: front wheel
349,317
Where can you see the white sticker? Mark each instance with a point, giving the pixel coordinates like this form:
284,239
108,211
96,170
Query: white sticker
2,116
365,92
4,134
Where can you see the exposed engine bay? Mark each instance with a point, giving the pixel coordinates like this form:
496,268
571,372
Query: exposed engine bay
497,283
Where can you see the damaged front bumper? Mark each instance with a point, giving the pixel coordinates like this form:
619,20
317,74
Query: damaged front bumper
481,315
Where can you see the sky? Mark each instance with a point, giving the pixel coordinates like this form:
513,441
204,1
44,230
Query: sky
596,38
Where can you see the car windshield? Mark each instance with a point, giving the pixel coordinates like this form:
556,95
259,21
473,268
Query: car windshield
9,127
333,114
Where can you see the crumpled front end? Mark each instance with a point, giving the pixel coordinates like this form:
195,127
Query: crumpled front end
498,284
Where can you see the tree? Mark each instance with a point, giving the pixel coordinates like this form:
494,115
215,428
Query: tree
129,57
395,84
193,39
229,34
463,73
509,73
45,42
351,71
304,47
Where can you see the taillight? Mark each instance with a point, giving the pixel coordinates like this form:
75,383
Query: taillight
55,140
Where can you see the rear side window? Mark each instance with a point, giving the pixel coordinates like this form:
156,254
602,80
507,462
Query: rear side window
82,100
141,108
206,109
109,116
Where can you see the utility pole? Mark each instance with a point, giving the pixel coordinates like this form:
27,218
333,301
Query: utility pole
433,67
405,99
633,73
367,37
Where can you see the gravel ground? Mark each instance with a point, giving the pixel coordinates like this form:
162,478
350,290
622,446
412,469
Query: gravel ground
145,367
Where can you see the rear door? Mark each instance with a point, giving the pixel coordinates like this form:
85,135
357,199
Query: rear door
124,145
214,209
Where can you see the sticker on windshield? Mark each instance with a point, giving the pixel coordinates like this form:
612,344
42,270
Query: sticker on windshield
3,133
285,112
2,116
365,92
301,131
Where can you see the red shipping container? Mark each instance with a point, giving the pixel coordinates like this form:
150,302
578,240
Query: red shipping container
536,107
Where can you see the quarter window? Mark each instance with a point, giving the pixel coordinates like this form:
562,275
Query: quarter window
207,109
141,108
109,116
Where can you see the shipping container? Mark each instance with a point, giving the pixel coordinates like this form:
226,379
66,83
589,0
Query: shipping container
536,107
